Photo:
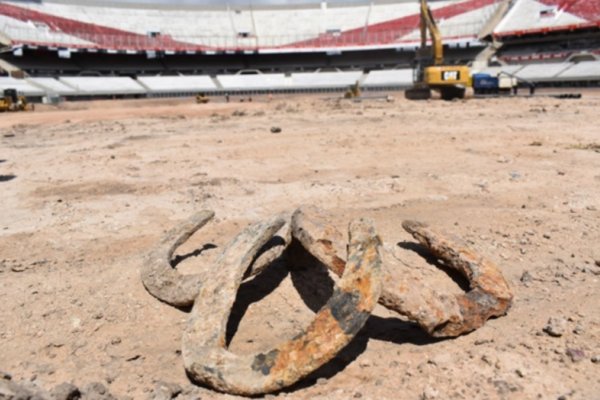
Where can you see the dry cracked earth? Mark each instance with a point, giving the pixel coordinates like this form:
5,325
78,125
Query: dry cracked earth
88,189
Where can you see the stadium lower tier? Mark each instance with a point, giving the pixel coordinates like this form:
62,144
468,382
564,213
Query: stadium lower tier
586,73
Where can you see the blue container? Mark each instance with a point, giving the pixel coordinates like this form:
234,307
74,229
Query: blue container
485,82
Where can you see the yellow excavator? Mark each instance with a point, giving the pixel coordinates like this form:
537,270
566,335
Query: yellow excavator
451,81
12,101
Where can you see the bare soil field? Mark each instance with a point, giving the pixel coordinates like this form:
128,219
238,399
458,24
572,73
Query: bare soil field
88,189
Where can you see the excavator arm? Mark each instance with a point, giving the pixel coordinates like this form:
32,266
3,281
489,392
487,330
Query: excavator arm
427,23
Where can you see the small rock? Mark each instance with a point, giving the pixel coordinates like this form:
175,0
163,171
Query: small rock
18,268
578,329
429,393
96,391
165,391
504,387
575,355
133,357
5,376
321,381
597,262
66,391
596,359
116,340
275,129
520,373
526,277
556,327
12,390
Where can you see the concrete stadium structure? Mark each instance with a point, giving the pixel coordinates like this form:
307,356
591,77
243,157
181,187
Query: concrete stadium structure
77,49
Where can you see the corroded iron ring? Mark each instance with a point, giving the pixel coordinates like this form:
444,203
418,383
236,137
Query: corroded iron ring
439,314
206,358
166,284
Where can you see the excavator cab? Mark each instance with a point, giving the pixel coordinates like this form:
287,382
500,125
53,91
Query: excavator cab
11,94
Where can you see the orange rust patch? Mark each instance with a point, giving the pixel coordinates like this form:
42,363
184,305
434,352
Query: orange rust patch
298,356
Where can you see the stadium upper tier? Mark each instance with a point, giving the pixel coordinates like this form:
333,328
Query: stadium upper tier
534,17
305,28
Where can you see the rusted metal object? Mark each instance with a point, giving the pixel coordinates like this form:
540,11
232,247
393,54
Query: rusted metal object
404,291
160,278
206,359
166,284
489,294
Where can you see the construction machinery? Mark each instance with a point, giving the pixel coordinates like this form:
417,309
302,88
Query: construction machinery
202,98
353,91
12,101
430,73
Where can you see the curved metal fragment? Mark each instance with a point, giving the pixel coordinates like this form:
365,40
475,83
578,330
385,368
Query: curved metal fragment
489,294
404,291
206,359
160,278
166,284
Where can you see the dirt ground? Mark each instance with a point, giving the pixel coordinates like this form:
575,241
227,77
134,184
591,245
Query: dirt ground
88,189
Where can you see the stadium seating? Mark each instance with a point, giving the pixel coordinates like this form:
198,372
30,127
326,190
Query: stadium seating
528,17
177,84
53,86
394,77
254,82
583,71
559,72
218,29
325,79
542,72
21,85
72,87
103,85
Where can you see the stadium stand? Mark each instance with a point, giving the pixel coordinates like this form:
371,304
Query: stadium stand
541,72
52,86
80,49
22,86
583,71
387,78
103,85
254,81
176,84
314,25
325,79
531,17
550,41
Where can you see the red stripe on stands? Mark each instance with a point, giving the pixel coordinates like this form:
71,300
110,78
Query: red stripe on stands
585,9
390,31
102,36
